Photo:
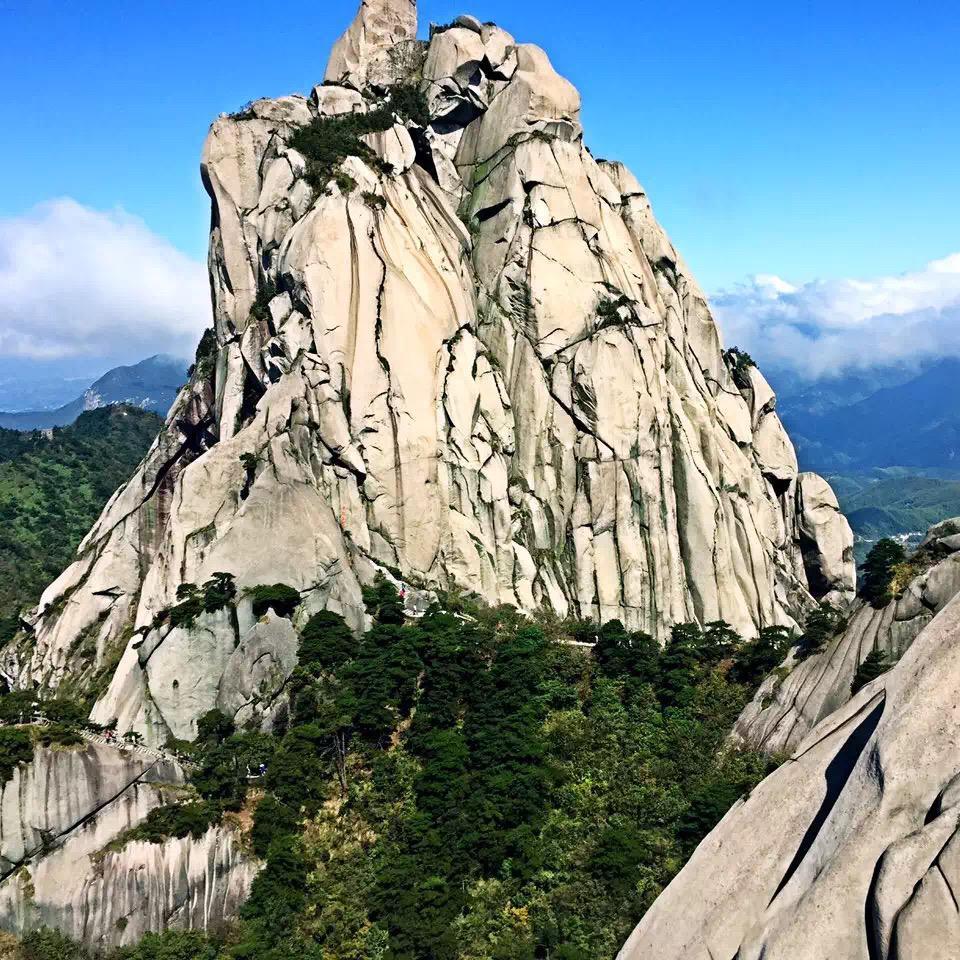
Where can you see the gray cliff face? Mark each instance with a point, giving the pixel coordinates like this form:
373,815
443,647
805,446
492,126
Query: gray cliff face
790,703
488,368
58,816
851,849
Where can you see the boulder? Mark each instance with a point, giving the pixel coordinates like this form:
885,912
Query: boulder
850,849
376,47
802,692
827,541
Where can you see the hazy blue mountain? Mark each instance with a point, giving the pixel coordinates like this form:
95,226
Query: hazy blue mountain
912,423
888,440
31,384
799,393
151,385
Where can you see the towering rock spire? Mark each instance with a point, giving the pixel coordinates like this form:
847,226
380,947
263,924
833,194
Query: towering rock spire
457,351
375,48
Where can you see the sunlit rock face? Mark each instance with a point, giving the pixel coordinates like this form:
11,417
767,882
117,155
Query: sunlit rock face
850,850
804,691
63,865
476,360
379,47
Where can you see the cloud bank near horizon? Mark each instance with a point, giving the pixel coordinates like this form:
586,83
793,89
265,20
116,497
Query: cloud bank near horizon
831,327
78,282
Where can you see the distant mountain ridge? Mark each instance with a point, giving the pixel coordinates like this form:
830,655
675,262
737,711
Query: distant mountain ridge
151,384
913,423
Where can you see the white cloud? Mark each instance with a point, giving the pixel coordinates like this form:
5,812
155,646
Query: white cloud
76,281
829,327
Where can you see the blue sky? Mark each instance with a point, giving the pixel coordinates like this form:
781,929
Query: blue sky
816,141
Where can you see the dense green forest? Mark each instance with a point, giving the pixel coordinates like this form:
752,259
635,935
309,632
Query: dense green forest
52,488
471,785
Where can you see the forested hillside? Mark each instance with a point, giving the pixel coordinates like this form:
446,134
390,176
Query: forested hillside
881,508
52,488
471,785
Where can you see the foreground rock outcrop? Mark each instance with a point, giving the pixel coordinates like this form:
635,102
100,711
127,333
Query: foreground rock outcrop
61,817
804,691
473,359
851,849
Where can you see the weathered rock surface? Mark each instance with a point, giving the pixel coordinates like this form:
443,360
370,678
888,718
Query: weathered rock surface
60,812
787,707
376,47
171,676
486,368
826,540
851,849
62,788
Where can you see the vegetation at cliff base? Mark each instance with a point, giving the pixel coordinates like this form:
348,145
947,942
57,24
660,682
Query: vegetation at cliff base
16,747
52,488
47,944
473,785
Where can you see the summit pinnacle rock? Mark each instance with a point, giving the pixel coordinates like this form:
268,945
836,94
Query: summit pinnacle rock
377,46
468,357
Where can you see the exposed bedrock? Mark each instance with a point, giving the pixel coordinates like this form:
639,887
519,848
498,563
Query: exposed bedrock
802,692
850,850
480,363
59,816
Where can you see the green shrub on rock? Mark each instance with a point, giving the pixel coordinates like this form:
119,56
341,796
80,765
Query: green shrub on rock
58,734
326,643
739,363
214,727
878,571
279,597
758,657
16,747
823,623
327,141
175,820
205,361
218,592
875,664
18,706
